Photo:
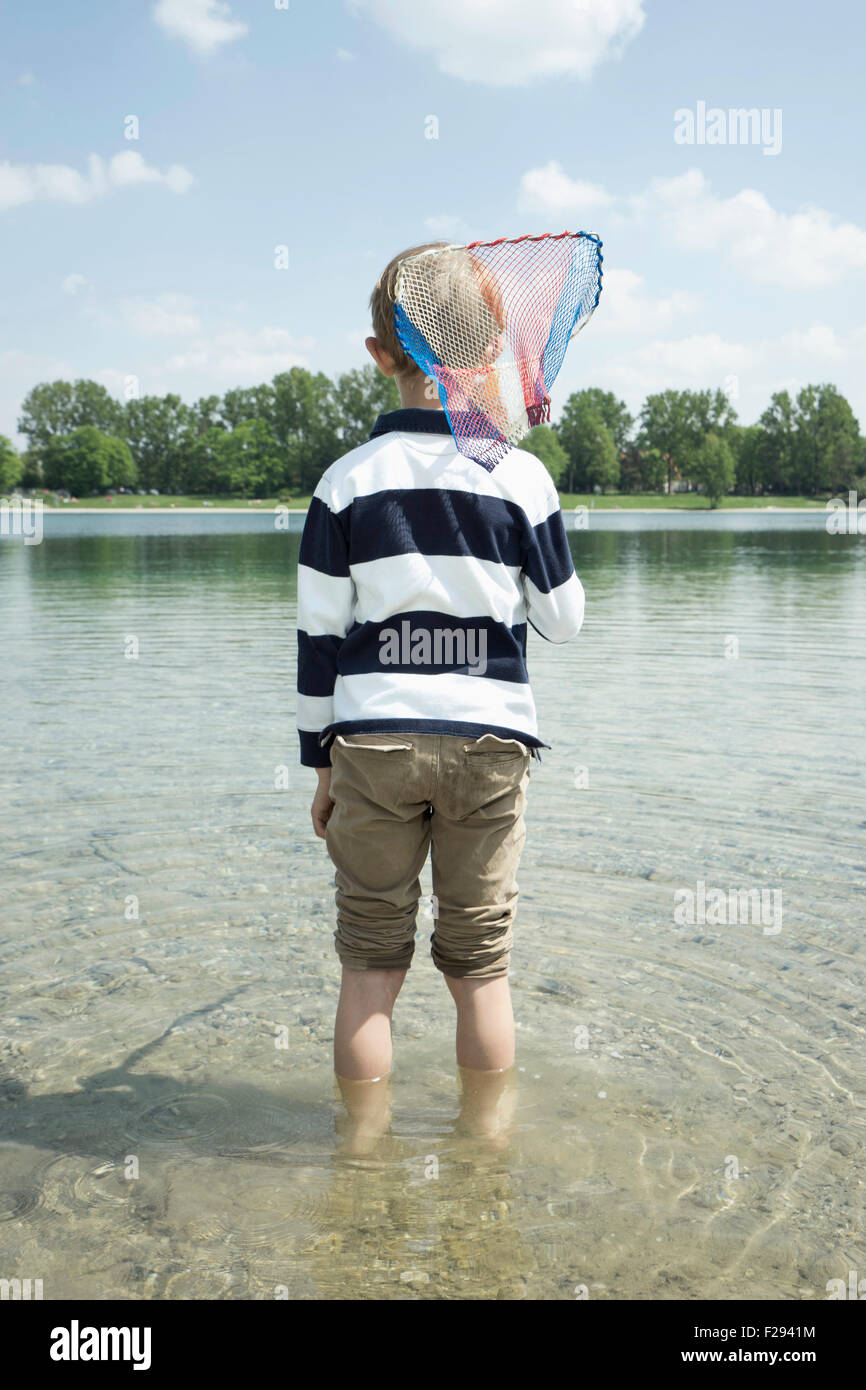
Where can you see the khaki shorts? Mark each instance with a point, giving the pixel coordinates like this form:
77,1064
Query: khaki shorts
395,796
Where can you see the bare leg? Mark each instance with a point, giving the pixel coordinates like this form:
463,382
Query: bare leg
368,1114
362,1030
488,1101
485,1022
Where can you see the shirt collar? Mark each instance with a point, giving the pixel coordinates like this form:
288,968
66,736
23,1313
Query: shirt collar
415,420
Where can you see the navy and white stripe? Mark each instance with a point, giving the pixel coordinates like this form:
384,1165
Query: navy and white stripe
406,530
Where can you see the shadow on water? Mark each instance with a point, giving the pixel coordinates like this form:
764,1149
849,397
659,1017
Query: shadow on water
233,1190
128,1104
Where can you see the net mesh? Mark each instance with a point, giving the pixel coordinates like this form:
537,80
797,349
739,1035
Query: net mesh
490,323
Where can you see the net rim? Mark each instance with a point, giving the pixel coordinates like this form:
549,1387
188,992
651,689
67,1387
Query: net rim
579,322
509,241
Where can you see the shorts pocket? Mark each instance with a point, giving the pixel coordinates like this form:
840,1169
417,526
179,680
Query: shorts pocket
380,743
492,748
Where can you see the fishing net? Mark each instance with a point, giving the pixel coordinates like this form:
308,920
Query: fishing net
490,323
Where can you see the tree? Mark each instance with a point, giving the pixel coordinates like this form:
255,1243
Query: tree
160,431
777,444
667,424
251,459
31,471
642,470
306,423
746,445
204,413
654,468
544,443
629,469
677,422
589,444
88,461
602,465
280,437
120,465
247,403
712,411
714,468
614,412
827,445
10,466
59,407
359,397
208,463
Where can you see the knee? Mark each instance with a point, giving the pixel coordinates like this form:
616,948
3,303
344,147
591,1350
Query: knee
374,991
471,992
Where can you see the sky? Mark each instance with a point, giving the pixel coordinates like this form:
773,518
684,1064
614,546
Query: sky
155,156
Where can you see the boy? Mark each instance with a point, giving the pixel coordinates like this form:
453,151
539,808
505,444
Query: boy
418,572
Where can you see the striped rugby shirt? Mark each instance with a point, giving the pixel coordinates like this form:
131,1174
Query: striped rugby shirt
418,572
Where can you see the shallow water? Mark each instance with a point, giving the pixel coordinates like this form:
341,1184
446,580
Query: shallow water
690,1107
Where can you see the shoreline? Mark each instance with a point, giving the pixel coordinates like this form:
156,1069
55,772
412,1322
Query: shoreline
166,511
301,511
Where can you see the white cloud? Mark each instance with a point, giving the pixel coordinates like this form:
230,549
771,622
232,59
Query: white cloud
208,363
169,315
345,56
73,283
203,24
30,183
508,43
807,249
114,381
357,337
701,357
819,343
627,308
26,79
693,363
447,227
551,192
707,360
129,169
233,357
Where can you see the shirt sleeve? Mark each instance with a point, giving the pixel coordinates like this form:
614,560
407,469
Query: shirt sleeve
554,595
326,597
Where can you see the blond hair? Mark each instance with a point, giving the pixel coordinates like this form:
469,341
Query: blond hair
452,299
382,309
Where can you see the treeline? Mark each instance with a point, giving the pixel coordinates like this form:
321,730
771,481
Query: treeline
259,441
277,439
806,445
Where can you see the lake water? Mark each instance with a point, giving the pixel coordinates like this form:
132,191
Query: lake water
689,1117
